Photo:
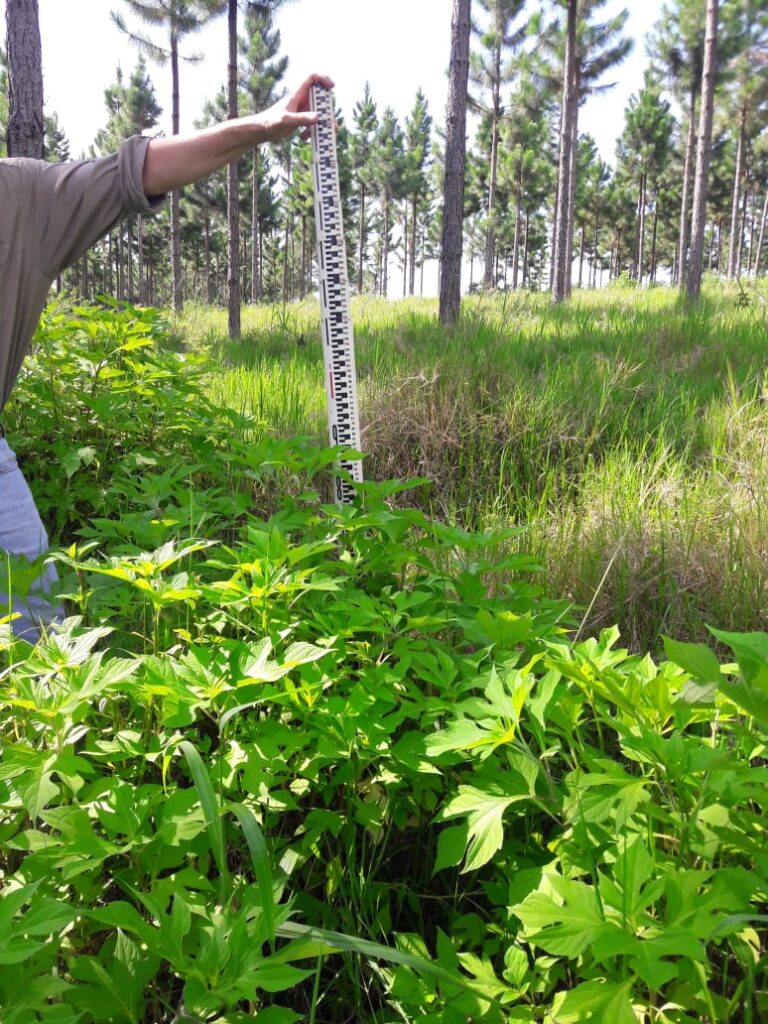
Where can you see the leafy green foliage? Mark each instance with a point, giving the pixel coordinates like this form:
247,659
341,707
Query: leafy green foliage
322,763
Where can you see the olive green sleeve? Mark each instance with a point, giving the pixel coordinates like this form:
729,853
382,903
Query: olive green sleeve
75,203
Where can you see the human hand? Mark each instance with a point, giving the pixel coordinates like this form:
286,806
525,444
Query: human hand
291,113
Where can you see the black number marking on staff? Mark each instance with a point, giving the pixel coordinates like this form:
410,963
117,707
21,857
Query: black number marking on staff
337,337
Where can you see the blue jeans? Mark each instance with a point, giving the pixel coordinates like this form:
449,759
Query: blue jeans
22,533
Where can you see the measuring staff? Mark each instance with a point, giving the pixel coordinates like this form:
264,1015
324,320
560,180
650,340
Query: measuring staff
336,326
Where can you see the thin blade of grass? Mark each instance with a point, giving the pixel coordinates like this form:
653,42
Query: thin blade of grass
320,941
210,805
261,866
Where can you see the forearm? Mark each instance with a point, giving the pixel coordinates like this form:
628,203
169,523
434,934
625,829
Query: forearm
182,159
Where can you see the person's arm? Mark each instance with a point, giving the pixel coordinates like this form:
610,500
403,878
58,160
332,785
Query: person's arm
182,159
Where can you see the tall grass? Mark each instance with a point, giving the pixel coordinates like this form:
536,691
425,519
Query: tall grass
623,431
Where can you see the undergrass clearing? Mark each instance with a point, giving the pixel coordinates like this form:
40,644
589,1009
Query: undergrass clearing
625,433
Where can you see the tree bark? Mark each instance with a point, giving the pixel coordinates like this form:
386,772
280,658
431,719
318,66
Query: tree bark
414,215
570,99
233,188
25,79
385,254
207,257
734,242
255,240
176,282
406,238
455,154
682,263
572,174
140,260
361,241
654,236
516,247
742,229
489,280
595,253
701,185
641,230
129,257
761,236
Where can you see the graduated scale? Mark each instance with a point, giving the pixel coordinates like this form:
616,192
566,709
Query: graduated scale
336,323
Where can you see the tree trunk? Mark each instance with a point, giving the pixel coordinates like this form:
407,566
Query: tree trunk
734,242
255,240
405,251
207,258
233,188
751,248
594,254
287,234
761,237
455,153
516,247
423,260
120,258
385,254
682,263
581,252
302,281
641,230
525,248
570,100
129,256
701,185
742,230
555,208
361,241
140,260
654,236
412,281
489,278
176,283
25,79
571,213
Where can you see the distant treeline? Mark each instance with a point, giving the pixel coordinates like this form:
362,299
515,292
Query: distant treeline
541,208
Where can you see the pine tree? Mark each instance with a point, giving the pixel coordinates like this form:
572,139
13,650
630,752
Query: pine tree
489,72
261,71
644,148
677,49
591,48
418,130
746,25
178,18
366,122
526,169
701,183
389,176
455,154
55,141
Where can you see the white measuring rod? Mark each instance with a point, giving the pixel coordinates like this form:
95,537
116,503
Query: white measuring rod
337,337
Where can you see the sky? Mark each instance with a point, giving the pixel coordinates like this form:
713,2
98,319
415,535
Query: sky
397,46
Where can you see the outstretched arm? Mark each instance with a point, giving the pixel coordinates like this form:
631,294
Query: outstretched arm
182,159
